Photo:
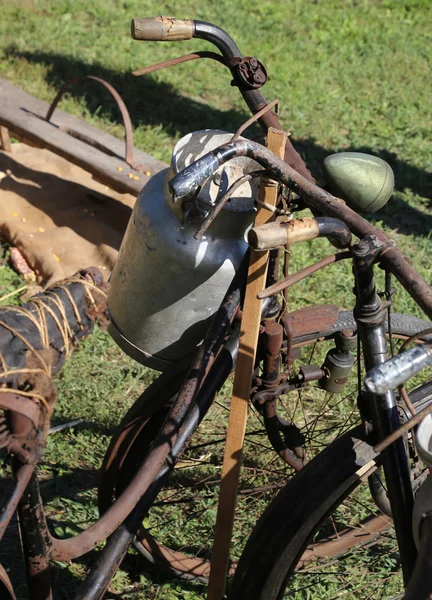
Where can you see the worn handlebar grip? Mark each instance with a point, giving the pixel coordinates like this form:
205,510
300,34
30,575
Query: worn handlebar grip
397,370
162,29
187,181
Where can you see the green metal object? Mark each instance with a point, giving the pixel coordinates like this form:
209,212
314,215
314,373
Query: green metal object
339,362
364,181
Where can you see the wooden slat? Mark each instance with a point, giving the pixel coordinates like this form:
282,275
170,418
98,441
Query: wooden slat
241,391
19,112
4,139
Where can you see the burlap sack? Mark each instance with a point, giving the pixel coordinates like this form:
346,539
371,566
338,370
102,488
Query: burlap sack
57,215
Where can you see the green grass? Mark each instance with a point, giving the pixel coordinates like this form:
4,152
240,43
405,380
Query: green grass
349,76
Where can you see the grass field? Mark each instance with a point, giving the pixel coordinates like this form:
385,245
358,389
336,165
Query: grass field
350,75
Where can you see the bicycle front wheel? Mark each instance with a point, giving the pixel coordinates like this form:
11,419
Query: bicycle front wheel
322,536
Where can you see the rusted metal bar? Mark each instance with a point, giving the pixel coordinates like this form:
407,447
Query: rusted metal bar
303,273
179,60
254,118
129,143
35,541
9,506
403,429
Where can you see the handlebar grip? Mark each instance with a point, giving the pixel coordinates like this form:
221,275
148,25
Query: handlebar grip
162,29
397,370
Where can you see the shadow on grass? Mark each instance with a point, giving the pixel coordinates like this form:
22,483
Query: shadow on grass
158,104
149,102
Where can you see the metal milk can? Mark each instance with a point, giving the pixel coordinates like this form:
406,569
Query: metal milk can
166,285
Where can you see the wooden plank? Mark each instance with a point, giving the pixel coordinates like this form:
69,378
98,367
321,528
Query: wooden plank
252,307
4,139
20,113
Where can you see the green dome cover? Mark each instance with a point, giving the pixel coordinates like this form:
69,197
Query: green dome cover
364,181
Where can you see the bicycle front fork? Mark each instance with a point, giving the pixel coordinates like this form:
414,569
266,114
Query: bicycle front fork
370,315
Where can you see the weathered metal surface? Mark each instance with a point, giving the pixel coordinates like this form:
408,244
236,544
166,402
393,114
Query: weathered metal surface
250,71
35,541
313,319
10,503
271,345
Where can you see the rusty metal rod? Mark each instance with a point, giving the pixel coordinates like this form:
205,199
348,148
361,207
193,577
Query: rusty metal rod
303,273
127,123
8,509
179,60
403,429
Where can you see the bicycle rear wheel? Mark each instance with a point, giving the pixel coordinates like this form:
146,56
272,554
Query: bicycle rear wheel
179,529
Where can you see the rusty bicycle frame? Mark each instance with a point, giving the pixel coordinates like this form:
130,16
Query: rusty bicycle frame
215,358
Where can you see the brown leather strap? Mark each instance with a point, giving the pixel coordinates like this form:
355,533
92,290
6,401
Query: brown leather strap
242,382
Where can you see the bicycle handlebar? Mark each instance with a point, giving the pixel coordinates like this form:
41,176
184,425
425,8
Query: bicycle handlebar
167,29
398,369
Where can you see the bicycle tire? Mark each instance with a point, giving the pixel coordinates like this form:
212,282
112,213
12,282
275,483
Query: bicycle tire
128,445
278,544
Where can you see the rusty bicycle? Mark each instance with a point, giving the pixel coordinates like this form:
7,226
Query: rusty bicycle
313,430
296,434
